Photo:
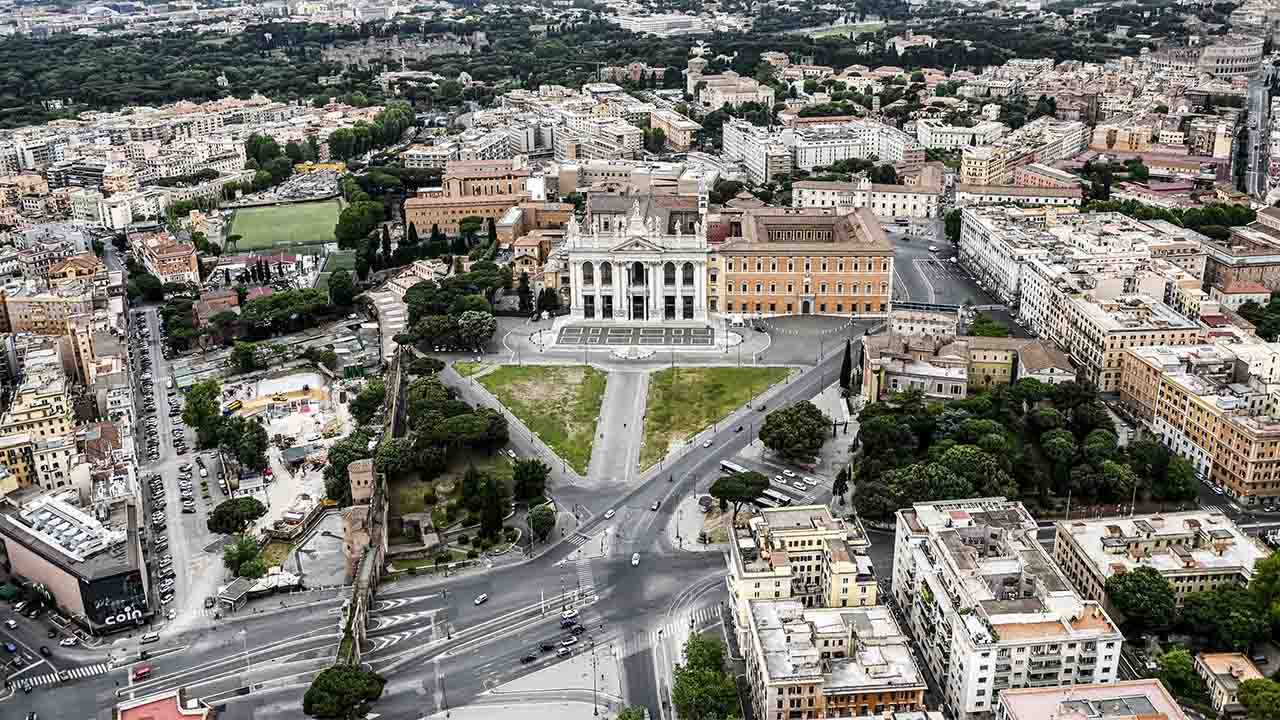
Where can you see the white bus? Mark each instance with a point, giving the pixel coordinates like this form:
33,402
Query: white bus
729,468
778,498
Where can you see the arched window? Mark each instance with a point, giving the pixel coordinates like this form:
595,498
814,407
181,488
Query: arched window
606,273
687,272
637,273
669,274
588,274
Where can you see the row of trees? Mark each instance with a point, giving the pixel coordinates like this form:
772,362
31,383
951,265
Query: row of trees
1055,440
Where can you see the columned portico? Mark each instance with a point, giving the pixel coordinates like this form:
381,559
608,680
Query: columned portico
635,273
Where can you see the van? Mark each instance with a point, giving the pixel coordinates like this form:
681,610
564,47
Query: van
203,472
168,383
141,672
150,638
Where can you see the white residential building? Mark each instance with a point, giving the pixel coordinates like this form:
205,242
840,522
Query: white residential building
886,201
989,609
759,149
936,134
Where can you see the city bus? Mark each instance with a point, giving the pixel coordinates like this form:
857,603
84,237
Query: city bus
765,502
778,498
729,468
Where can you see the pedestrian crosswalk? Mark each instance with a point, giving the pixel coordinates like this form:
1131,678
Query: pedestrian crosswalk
585,581
79,673
678,629
1217,508
578,539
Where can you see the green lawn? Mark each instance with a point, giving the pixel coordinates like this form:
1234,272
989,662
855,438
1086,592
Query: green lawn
340,261
559,403
467,369
683,401
284,226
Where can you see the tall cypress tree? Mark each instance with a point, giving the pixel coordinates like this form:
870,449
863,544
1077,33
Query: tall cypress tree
846,367
411,237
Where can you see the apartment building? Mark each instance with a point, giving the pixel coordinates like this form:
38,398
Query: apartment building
1013,195
1039,175
15,458
430,157
1215,406
1043,140
31,308
1195,551
41,407
1148,699
1093,284
936,134
784,261
484,188
1223,673
828,663
819,144
761,151
885,201
801,553
680,130
990,610
166,257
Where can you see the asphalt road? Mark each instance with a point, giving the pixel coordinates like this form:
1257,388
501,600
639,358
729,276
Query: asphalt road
921,275
1259,131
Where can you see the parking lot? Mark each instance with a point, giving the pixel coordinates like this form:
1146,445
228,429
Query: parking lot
181,487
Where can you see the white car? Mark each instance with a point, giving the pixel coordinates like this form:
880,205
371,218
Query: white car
569,614
171,614
1217,490
933,248
67,642
789,473
481,598
635,559
609,513
799,485
706,443
808,480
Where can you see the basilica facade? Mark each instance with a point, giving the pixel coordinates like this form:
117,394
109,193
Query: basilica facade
639,267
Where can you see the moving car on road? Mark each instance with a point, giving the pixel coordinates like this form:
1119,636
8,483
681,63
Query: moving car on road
481,598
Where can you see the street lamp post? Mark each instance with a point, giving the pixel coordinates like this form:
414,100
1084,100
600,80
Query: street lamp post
248,662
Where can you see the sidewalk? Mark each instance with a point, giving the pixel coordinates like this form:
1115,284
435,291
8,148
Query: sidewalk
527,710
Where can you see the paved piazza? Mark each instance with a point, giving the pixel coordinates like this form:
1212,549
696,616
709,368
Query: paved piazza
613,335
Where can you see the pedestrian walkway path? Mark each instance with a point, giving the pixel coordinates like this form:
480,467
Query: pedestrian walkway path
577,539
79,673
